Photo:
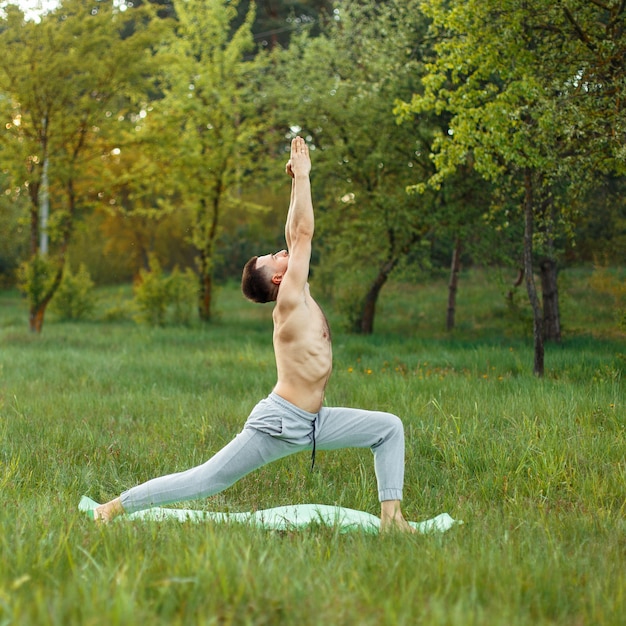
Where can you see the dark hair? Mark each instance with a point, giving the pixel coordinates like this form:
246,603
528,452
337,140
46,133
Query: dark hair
256,283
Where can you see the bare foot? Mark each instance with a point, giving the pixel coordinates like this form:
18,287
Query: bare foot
397,524
391,518
107,512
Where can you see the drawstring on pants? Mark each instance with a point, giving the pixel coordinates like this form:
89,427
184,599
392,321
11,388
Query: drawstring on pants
313,452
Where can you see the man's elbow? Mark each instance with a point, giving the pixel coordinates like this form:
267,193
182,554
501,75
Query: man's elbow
303,232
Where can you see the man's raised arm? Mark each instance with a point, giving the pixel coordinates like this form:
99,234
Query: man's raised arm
291,200
298,228
300,221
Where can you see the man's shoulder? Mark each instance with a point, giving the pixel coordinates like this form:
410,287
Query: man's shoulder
293,303
288,300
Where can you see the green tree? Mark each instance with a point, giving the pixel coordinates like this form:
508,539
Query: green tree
459,217
209,122
526,86
277,20
66,80
135,186
13,232
340,90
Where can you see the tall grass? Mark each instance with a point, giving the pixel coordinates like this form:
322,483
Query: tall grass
536,468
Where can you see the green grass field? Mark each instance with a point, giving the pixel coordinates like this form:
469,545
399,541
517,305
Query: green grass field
536,468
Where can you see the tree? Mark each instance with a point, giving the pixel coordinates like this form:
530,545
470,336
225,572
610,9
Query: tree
277,20
134,186
340,91
66,81
530,88
210,112
13,234
459,215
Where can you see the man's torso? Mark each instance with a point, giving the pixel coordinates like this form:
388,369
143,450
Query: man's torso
303,353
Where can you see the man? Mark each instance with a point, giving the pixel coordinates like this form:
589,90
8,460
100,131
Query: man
292,418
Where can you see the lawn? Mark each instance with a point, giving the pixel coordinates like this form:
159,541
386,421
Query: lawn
536,468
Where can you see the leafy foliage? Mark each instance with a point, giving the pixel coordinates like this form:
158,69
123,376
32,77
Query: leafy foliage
176,128
13,232
519,83
527,84
340,92
69,77
277,21
207,113
34,278
75,299
161,298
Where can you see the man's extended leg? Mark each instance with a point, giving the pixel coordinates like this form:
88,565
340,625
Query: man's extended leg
249,450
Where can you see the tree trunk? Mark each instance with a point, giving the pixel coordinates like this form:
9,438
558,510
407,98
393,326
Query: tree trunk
37,310
206,297
453,284
35,318
205,290
531,288
34,230
550,297
365,325
549,287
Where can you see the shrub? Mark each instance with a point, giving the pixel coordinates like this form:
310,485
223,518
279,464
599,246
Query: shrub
75,298
34,279
162,299
151,294
183,287
122,309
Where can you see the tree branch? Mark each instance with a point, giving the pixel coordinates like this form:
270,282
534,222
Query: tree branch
579,31
600,4
616,15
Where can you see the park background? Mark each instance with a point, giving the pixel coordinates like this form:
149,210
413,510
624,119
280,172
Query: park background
468,181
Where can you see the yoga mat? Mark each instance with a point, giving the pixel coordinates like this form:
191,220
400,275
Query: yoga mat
290,517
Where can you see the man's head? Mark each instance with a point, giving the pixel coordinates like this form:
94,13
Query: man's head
262,276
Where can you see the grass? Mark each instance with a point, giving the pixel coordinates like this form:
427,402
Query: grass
535,468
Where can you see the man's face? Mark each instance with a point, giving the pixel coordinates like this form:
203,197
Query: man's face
277,263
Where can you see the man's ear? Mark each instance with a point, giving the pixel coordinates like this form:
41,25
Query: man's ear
277,278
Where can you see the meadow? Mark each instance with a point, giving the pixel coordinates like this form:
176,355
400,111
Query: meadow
535,468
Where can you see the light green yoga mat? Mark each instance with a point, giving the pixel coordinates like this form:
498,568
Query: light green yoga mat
289,517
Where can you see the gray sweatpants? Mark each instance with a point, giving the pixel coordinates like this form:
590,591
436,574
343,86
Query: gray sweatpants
275,429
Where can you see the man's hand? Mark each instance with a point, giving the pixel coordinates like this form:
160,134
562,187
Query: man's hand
299,163
288,169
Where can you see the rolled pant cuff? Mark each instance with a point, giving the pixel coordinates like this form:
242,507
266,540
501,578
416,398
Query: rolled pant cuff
389,494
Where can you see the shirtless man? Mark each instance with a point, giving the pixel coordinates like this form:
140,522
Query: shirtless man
292,418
